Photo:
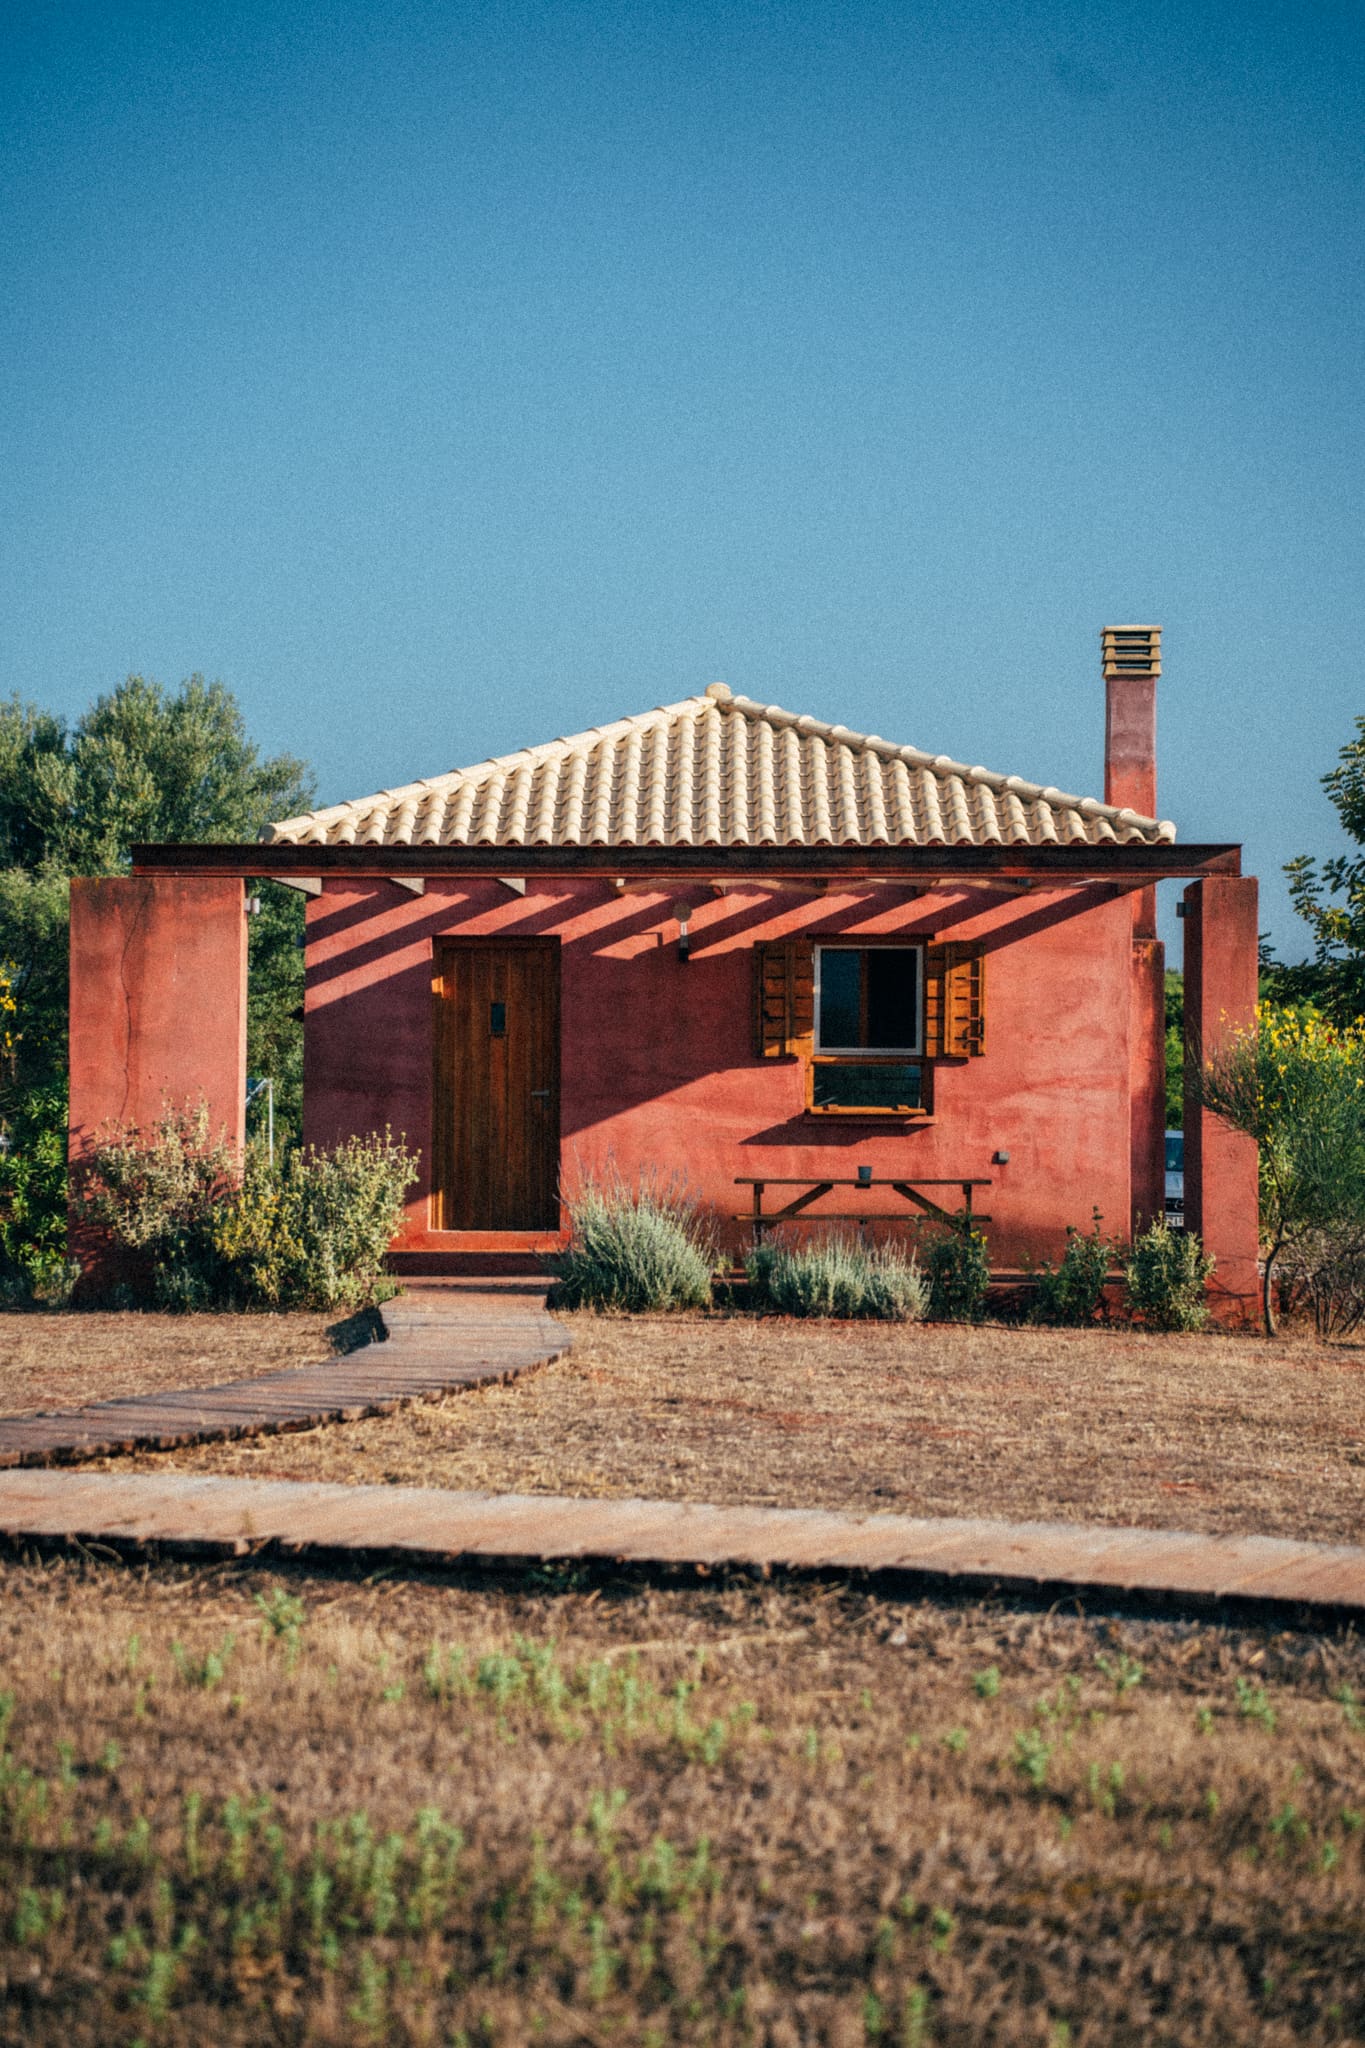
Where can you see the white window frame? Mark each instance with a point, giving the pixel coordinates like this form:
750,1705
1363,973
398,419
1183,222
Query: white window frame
871,1052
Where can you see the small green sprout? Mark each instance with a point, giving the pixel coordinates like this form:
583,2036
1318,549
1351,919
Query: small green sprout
1032,1757
1123,1672
1253,1704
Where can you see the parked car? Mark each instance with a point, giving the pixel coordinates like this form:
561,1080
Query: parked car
1175,1180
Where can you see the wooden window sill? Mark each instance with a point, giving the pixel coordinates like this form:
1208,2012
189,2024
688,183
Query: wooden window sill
868,1116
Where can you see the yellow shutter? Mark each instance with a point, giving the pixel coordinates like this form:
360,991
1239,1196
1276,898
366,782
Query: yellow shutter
954,1001
784,975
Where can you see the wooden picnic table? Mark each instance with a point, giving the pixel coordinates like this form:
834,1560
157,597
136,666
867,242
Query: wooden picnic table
762,1219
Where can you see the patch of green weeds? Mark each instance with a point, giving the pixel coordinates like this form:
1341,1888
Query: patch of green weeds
207,1671
1253,1704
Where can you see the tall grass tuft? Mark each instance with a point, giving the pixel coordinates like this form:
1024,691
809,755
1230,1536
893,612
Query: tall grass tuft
835,1275
635,1248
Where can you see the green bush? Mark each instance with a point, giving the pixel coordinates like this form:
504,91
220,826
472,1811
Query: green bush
312,1232
153,1193
632,1249
1165,1279
958,1270
1296,1084
834,1275
34,1265
308,1232
1071,1293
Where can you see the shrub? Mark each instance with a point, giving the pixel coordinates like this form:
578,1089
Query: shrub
1165,1277
634,1249
308,1232
153,1192
33,1258
1325,1269
835,1275
1296,1084
1071,1293
958,1269
312,1232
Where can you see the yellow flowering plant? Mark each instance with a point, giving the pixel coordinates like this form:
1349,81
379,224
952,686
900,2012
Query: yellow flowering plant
9,1012
1295,1082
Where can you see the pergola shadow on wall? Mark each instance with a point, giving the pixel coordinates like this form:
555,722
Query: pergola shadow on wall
159,963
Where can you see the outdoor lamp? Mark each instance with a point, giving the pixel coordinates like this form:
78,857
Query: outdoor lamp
683,913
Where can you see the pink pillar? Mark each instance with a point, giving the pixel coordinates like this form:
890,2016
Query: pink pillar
1220,1164
158,1002
1147,1084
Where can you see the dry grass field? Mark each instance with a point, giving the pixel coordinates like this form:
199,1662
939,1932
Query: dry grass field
60,1361
242,1808
1207,1433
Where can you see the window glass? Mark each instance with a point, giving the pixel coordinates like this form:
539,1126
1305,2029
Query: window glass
869,998
892,997
839,1084
841,997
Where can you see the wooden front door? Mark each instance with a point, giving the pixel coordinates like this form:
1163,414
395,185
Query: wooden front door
495,1099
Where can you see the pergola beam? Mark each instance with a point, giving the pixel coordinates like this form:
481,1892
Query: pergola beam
734,867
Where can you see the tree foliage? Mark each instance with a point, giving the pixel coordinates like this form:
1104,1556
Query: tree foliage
1331,900
1175,1049
142,765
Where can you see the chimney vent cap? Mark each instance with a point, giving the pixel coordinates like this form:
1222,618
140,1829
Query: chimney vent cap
1130,651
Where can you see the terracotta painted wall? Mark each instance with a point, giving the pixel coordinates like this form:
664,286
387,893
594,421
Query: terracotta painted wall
657,1062
158,1016
158,1001
1221,1193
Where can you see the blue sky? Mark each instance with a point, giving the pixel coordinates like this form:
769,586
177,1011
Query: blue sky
447,377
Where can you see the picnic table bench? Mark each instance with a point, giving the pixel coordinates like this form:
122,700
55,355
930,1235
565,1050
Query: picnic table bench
761,1219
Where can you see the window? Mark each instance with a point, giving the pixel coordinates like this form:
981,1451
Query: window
868,999
869,1023
869,1003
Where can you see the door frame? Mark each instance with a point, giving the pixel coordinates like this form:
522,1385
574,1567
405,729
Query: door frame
442,1091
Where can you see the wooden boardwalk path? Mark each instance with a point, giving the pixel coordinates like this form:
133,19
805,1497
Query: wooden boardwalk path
237,1517
440,1339
462,1334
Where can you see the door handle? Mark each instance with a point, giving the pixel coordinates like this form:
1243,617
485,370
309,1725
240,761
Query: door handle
541,1093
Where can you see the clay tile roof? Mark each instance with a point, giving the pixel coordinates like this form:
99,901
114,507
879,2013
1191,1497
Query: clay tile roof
720,770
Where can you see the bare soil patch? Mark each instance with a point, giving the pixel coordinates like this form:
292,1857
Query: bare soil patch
248,1807
62,1361
1204,1433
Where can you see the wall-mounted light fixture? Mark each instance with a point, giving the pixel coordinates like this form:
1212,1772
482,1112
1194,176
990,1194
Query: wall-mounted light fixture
683,913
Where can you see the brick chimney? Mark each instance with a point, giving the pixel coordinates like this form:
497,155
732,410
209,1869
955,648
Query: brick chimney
1132,663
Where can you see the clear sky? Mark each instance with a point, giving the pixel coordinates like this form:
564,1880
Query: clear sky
446,377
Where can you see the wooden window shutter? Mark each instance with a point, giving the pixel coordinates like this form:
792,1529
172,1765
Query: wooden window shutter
784,975
954,1001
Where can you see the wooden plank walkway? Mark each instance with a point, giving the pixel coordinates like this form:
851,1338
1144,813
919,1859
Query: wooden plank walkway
237,1517
441,1338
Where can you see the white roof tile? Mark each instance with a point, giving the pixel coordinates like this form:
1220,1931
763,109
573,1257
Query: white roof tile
719,770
